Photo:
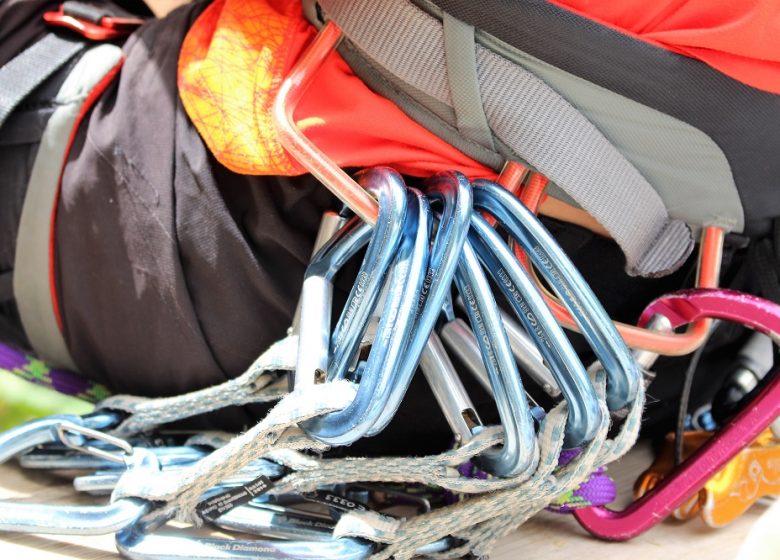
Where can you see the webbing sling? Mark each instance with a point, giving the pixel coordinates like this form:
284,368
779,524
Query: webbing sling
529,117
32,260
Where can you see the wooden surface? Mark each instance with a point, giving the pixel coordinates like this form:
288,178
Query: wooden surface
546,537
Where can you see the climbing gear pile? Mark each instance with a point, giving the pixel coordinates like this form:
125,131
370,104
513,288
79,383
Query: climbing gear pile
348,384
449,270
427,250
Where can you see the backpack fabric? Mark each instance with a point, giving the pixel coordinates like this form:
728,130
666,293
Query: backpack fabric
702,139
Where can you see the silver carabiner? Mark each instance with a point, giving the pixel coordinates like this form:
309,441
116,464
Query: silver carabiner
142,542
62,458
71,520
456,336
623,374
453,191
30,435
396,325
318,352
103,482
301,526
520,451
580,395
75,436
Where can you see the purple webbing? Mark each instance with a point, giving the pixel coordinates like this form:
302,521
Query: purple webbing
598,490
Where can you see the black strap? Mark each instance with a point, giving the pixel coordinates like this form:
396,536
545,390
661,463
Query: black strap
30,68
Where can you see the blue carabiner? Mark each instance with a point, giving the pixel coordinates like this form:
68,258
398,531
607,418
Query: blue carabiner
453,191
139,542
520,451
623,374
29,435
390,191
317,299
395,327
584,413
316,352
72,520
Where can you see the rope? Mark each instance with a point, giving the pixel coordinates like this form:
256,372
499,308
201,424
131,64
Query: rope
29,368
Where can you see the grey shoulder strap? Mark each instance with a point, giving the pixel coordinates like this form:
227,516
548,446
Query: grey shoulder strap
18,78
529,117
32,261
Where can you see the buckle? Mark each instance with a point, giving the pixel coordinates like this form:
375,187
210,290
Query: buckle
94,22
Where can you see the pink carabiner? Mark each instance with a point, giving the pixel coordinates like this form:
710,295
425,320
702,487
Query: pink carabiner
686,306
682,308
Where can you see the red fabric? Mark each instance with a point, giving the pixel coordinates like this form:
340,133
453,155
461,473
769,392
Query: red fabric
238,52
740,38
232,62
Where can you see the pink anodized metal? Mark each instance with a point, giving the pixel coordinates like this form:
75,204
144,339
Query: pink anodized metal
682,308
686,306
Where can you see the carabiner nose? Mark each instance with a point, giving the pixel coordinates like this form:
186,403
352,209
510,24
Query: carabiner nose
80,520
31,434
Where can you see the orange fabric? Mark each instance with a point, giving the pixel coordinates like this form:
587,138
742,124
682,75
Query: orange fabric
231,65
736,37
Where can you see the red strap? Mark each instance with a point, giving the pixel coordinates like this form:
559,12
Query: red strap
109,27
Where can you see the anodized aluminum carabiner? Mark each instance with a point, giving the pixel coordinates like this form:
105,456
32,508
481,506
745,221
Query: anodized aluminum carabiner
395,327
59,459
31,434
453,191
317,355
72,520
141,542
520,452
584,416
103,482
623,374
677,487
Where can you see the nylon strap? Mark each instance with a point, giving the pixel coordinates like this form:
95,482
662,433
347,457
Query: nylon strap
30,68
533,120
459,49
31,279
497,505
257,384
